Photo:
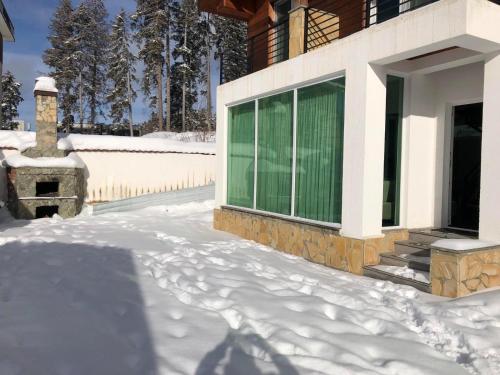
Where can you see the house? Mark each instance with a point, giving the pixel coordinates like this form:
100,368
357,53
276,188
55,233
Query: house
6,34
364,132
6,30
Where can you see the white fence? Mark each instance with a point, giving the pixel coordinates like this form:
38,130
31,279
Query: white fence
112,175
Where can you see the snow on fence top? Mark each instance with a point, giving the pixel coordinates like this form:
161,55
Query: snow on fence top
80,142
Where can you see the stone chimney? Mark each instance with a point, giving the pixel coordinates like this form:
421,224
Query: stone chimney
46,120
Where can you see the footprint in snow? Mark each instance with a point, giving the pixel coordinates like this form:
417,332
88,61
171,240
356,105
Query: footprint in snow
54,262
9,368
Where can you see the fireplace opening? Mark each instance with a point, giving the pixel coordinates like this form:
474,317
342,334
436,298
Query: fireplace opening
46,211
47,189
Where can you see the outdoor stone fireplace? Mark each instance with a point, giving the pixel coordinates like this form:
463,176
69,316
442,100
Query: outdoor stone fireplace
43,181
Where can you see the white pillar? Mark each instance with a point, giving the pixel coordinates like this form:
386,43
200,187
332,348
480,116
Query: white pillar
221,150
364,136
489,214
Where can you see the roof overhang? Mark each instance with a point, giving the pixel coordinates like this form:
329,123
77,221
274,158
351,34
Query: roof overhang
239,9
6,26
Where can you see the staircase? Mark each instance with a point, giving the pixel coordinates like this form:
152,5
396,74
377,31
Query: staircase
410,262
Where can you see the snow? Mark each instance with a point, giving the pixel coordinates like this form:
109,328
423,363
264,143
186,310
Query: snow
18,161
158,291
78,142
462,244
19,140
115,143
47,84
405,272
184,137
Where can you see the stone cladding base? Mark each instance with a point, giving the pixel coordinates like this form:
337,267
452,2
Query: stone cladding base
316,243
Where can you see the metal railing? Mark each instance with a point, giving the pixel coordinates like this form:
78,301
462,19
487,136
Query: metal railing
268,47
6,17
325,22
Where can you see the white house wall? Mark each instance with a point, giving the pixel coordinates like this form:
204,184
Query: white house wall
428,139
444,24
489,221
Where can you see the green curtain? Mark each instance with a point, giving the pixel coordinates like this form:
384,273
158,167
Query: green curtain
320,137
392,155
241,155
274,155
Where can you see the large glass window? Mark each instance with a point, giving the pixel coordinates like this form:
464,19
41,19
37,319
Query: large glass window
241,155
392,156
274,154
320,130
299,176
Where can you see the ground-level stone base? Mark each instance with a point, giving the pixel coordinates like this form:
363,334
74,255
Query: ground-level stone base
316,243
459,273
24,198
27,209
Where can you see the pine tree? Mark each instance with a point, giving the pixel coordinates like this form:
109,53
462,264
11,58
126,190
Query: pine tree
231,47
121,71
187,61
91,36
11,98
151,23
61,57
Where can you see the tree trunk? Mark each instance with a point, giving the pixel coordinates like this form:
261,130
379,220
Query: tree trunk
159,95
167,71
67,111
80,94
184,82
209,78
129,98
93,96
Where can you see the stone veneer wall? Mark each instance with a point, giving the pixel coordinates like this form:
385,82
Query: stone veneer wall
46,124
459,273
316,243
21,186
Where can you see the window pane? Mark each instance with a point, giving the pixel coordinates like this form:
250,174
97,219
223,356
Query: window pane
320,133
274,155
392,156
241,155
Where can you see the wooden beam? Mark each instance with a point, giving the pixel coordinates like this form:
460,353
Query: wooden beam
239,9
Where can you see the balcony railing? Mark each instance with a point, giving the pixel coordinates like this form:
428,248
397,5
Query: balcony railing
268,47
325,21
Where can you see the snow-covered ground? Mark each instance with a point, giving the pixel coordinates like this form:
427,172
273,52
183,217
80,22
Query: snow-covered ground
157,291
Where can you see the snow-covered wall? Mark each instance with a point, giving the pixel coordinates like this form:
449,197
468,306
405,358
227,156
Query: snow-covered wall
118,175
122,167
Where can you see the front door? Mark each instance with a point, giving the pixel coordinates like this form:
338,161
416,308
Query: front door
466,166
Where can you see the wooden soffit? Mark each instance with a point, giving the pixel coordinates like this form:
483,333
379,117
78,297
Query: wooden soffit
239,9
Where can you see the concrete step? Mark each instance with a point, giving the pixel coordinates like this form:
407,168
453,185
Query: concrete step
431,235
410,247
416,261
385,273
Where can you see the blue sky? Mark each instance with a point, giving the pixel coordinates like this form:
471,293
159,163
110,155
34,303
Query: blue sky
23,58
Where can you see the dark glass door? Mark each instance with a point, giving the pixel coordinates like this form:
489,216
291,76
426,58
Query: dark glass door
392,154
466,166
